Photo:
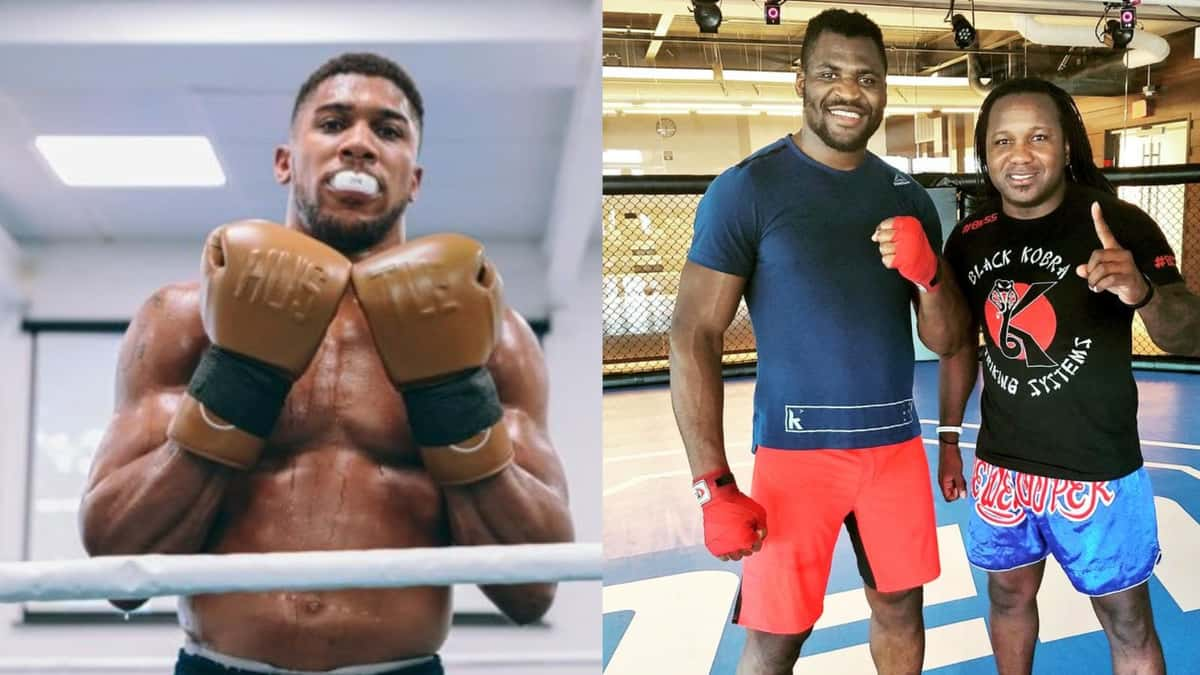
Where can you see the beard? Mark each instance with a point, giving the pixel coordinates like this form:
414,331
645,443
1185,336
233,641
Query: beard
346,236
814,118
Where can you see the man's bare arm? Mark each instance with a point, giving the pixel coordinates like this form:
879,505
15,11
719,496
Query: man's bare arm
704,308
144,494
957,373
1172,319
525,503
942,315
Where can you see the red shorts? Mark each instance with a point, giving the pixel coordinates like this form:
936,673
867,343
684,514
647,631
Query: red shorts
884,497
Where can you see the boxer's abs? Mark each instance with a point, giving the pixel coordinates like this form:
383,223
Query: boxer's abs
341,473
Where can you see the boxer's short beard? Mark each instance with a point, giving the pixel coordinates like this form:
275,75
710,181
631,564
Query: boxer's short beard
347,237
814,118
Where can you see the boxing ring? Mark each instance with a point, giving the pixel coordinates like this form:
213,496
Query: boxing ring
145,576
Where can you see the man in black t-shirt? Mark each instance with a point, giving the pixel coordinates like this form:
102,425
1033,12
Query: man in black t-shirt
1053,267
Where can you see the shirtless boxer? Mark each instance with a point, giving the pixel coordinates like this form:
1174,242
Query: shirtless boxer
302,397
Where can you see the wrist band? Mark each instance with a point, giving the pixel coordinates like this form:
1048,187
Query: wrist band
948,429
704,484
1149,295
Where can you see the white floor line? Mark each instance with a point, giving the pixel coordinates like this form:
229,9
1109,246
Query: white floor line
638,480
944,645
1169,444
1194,473
1179,536
645,455
677,622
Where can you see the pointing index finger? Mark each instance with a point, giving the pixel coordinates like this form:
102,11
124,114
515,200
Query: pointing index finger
1107,240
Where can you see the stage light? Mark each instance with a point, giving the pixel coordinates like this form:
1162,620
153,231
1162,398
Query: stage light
964,32
772,12
1121,32
707,14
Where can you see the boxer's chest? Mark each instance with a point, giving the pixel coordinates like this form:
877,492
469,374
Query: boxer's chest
345,399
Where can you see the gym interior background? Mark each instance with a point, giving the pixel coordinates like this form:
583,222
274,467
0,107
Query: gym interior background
678,102
681,104
517,170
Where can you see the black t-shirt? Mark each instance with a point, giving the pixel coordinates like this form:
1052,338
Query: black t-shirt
1059,397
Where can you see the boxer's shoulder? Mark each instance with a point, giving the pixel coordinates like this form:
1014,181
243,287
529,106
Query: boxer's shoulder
178,301
516,333
173,314
517,361
166,338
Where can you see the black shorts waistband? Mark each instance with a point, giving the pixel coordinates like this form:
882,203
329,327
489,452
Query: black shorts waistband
195,664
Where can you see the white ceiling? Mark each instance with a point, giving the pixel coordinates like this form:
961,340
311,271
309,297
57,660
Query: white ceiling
511,118
991,14
909,24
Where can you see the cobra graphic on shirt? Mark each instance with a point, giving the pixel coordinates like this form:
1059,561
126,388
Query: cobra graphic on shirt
1025,355
1018,306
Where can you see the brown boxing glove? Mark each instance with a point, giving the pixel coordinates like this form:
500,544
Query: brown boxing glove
434,305
268,295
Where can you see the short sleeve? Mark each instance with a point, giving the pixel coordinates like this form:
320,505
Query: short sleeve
953,255
952,252
725,236
1138,233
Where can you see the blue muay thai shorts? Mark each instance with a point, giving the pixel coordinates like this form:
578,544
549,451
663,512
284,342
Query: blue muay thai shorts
1104,534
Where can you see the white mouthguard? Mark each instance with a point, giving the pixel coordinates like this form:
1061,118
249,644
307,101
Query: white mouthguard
354,182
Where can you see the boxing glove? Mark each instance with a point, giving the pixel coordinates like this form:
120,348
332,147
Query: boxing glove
267,297
434,306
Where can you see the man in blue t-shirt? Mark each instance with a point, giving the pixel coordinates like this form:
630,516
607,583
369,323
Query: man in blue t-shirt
829,246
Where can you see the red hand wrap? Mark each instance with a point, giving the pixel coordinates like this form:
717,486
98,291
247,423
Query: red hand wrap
915,259
731,519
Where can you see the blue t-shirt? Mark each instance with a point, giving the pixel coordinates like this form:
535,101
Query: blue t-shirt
832,324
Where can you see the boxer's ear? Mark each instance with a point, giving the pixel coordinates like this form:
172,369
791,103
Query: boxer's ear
283,164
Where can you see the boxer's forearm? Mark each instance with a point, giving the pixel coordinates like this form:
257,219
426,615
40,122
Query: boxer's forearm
942,315
1173,319
698,395
957,373
162,502
513,507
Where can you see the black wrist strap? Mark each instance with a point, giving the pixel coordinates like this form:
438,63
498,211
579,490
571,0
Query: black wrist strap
246,392
1149,295
453,410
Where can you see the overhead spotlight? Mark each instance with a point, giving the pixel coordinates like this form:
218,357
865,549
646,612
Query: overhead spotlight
1121,31
707,14
964,32
1115,36
772,12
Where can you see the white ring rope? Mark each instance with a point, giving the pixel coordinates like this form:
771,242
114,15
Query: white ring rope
154,575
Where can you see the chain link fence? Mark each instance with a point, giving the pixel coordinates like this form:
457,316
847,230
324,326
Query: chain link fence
645,243
647,225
